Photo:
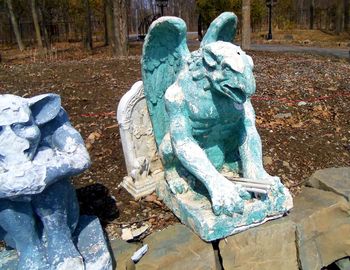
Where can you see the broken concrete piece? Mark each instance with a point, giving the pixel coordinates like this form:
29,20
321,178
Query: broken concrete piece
176,247
139,253
270,246
129,233
336,180
323,227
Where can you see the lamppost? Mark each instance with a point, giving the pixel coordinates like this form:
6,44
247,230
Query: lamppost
162,4
269,4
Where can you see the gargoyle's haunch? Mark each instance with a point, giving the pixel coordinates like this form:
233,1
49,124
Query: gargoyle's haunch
203,119
39,151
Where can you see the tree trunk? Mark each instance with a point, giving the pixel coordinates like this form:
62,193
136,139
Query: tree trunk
106,37
36,24
15,25
109,24
339,17
346,15
87,39
246,29
43,27
120,8
312,13
65,14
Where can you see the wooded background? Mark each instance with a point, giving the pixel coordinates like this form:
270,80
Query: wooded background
43,22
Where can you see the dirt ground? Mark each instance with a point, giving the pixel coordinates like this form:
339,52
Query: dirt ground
302,105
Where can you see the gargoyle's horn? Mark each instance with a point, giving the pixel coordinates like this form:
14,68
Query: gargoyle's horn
222,28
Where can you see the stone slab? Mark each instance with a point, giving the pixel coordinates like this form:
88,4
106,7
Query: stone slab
336,180
343,264
195,211
90,241
122,252
270,246
177,247
323,227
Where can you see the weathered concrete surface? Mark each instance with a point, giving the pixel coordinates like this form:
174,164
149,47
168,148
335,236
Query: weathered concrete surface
90,241
195,211
122,253
332,179
177,247
270,246
323,228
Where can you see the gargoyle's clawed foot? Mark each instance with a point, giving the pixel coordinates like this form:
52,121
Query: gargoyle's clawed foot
71,263
177,185
229,199
32,259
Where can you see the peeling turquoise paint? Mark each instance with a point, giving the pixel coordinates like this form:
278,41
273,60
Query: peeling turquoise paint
204,125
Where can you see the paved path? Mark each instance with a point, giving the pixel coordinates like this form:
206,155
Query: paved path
342,53
337,52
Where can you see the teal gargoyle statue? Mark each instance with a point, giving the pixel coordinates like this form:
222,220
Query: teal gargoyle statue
204,127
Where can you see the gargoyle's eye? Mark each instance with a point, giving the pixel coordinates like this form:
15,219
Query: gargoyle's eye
1,129
238,53
19,126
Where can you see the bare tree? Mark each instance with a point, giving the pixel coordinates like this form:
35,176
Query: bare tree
339,16
120,8
36,24
346,14
109,33
15,25
87,40
246,29
312,13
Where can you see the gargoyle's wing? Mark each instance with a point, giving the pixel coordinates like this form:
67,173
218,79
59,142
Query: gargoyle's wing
222,28
164,54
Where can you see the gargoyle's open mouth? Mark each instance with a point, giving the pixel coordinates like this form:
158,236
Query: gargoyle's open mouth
234,93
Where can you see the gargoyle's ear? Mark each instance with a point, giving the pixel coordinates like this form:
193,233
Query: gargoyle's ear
222,28
44,107
209,58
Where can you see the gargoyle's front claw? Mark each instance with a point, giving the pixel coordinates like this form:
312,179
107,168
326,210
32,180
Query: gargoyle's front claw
245,195
177,185
229,199
217,209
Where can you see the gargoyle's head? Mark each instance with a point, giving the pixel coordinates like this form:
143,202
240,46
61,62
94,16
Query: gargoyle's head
225,69
20,119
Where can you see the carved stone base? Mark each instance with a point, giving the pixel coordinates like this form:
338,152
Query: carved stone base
143,188
90,241
195,211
